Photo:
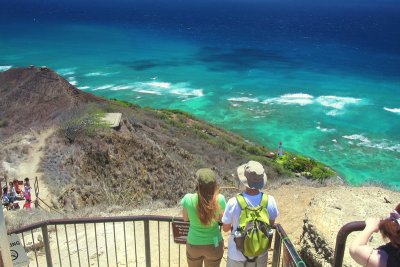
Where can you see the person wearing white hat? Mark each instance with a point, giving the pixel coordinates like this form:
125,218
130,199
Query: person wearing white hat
252,175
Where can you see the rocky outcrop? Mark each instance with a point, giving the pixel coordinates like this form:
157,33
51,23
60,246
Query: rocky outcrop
36,97
330,210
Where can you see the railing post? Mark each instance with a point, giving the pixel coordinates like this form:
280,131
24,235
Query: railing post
147,242
277,249
47,246
36,187
341,240
5,255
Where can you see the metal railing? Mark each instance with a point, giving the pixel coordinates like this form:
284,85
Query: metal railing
120,241
289,257
341,240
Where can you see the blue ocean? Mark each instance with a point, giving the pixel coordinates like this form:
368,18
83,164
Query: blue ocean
323,77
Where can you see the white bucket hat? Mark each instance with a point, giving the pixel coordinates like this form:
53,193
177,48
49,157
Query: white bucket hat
252,175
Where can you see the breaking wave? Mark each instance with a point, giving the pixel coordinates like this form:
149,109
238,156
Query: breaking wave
291,99
337,102
393,110
326,130
121,87
183,90
66,71
243,99
72,80
147,92
104,87
4,68
360,140
95,74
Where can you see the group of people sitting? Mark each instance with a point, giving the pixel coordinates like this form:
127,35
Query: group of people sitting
13,193
207,209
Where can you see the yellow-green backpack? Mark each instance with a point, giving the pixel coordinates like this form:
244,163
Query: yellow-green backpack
254,233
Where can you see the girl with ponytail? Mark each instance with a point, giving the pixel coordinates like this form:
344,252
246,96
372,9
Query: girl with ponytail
204,210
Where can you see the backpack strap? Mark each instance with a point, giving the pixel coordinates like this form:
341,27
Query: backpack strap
242,202
264,200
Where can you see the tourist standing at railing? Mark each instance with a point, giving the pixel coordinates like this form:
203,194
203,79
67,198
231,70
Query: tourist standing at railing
384,256
253,176
204,210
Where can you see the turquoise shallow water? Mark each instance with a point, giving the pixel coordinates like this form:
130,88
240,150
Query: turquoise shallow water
330,98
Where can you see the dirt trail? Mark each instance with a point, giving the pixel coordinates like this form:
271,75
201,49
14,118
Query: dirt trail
29,168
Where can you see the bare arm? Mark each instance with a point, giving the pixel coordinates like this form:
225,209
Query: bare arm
364,254
185,215
226,227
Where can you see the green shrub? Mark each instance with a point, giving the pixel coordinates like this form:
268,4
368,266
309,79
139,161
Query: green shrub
123,103
301,164
88,122
321,173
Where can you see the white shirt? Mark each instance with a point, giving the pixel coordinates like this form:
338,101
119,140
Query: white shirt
232,215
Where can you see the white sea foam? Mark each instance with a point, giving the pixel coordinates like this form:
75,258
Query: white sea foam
291,99
72,80
147,92
334,112
164,85
394,110
337,102
325,129
182,90
103,87
360,140
187,92
121,87
95,74
358,137
66,71
243,99
83,87
4,68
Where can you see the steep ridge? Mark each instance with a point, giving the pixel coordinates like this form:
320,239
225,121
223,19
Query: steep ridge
151,158
36,97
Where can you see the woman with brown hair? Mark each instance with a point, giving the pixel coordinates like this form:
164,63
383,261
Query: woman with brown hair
204,210
384,256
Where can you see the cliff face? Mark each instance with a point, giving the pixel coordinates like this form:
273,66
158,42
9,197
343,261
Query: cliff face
150,158
330,210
